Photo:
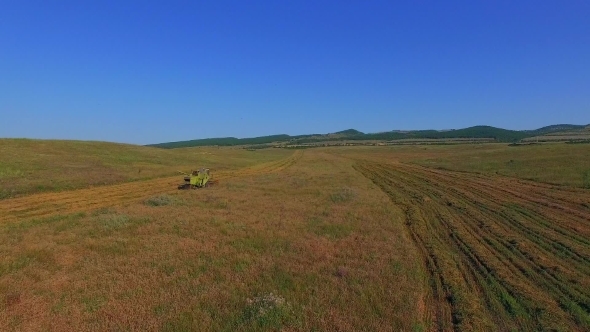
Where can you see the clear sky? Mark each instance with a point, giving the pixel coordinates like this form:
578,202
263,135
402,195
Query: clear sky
148,72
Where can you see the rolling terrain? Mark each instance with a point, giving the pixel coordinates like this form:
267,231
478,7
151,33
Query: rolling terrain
32,166
486,133
82,200
406,238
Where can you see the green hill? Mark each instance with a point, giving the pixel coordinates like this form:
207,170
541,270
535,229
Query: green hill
349,132
498,134
556,128
223,141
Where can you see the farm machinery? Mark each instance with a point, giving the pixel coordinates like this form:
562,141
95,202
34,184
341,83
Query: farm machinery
196,179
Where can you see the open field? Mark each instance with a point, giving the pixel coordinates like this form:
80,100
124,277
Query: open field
502,254
555,163
329,250
83,200
405,238
31,166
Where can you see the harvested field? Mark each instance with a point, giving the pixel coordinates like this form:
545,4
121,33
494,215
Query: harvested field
46,204
352,238
292,246
502,254
35,166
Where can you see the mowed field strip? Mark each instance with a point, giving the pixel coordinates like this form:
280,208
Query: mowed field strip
501,253
47,204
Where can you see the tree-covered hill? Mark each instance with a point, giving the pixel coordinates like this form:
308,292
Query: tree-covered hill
498,134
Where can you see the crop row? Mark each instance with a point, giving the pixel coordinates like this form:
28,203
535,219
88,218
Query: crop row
502,253
47,204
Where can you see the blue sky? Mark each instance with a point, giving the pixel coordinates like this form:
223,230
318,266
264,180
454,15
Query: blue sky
147,72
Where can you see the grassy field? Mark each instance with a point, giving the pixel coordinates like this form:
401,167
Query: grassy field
30,166
405,238
566,164
296,246
502,254
554,163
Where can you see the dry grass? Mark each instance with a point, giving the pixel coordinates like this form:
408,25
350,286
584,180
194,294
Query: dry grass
46,204
326,239
211,263
32,166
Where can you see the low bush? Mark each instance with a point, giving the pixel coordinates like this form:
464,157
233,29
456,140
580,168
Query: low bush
162,200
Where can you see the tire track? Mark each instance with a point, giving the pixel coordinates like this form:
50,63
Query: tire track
501,253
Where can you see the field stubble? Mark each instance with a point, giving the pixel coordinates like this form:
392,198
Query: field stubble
33,166
46,204
293,245
307,243
502,253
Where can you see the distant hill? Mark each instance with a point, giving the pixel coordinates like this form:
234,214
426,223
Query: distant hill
223,141
349,132
30,165
564,133
498,134
501,135
556,128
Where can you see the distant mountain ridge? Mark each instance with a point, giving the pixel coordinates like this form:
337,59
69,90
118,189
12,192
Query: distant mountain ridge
558,127
498,134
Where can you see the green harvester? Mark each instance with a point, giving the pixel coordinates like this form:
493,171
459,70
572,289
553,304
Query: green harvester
197,179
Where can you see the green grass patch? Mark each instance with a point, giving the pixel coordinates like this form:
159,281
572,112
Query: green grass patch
328,229
113,220
240,265
30,223
9,172
92,303
209,201
14,265
260,244
181,323
162,309
111,248
40,257
106,222
343,195
60,306
104,210
163,200
557,163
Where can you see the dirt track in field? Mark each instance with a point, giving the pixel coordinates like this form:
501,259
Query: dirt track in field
47,204
501,253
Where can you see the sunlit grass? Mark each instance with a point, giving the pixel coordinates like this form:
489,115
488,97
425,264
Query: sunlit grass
212,262
30,166
308,242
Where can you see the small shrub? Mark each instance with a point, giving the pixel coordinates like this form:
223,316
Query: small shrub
344,195
222,204
268,311
113,220
101,211
92,303
213,201
162,200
